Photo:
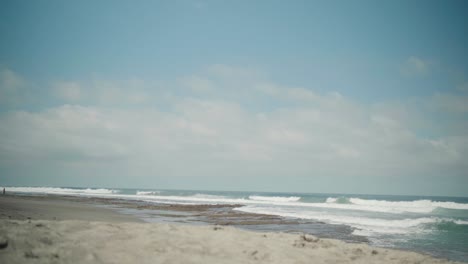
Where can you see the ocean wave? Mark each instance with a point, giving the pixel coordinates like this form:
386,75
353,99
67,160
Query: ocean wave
208,196
461,222
363,225
451,205
452,209
274,198
56,190
150,196
417,206
148,192
410,204
193,199
457,226
339,200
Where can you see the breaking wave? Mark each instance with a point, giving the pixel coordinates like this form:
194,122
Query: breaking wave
367,217
274,198
64,191
147,192
363,225
418,206
208,196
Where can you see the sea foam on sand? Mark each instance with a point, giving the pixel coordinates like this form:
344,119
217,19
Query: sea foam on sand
71,241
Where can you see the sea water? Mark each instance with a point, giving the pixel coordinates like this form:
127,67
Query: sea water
433,225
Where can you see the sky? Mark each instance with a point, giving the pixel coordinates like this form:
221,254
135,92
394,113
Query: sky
294,96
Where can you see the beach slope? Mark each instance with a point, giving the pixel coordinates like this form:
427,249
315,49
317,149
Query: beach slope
69,241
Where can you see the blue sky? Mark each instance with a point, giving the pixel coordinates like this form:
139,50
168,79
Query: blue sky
313,96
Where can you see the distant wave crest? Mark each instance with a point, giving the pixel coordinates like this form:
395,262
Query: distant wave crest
274,198
339,200
55,190
148,192
208,196
417,206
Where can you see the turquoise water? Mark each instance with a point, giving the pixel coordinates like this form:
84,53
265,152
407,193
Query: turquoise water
433,225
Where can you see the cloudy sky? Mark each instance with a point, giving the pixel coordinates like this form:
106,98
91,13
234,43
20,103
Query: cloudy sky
305,96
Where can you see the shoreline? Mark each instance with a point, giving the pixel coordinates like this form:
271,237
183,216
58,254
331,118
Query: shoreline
22,207
194,214
66,216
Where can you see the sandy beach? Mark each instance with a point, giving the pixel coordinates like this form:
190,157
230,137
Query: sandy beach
62,230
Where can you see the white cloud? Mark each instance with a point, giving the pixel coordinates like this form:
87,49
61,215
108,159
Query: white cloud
131,91
301,94
224,134
103,92
11,85
197,84
268,89
68,91
219,137
415,66
346,152
10,80
449,103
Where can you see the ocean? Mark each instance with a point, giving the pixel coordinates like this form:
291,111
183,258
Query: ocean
434,225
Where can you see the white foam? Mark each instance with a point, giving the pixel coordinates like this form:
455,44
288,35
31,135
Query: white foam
363,225
417,206
147,192
345,204
274,198
194,199
53,190
208,196
451,205
461,222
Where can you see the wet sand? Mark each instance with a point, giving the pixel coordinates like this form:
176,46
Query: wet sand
57,208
